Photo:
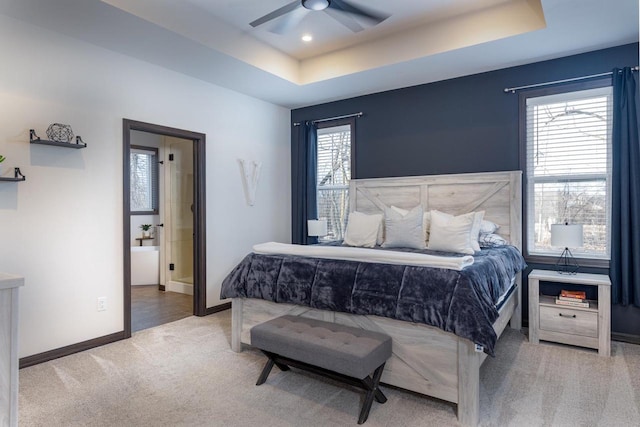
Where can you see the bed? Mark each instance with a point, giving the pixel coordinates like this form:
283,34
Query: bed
426,359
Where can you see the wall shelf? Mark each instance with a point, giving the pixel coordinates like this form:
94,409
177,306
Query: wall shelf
35,139
141,239
17,176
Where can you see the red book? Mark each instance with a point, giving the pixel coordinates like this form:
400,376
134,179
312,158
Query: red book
578,295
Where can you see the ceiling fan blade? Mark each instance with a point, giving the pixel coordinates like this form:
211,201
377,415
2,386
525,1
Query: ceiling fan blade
368,14
286,23
276,13
344,20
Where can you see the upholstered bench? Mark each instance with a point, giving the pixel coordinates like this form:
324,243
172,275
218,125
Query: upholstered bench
352,355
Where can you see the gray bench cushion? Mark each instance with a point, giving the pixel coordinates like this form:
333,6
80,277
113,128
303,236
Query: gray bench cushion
350,351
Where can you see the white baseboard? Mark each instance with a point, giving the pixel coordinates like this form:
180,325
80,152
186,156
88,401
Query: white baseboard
180,287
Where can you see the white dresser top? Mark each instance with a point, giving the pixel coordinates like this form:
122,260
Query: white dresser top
8,281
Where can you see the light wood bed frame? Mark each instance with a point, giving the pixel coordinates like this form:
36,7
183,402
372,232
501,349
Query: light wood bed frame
425,359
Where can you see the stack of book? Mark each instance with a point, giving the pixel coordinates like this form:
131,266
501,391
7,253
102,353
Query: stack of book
572,298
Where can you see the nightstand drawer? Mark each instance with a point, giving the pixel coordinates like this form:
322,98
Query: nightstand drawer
569,321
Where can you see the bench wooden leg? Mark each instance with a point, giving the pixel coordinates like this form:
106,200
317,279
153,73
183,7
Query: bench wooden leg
378,394
369,384
267,368
372,392
276,359
265,372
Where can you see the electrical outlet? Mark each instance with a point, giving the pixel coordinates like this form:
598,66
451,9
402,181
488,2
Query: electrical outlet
102,303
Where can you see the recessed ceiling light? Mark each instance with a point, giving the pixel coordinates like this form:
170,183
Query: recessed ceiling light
307,38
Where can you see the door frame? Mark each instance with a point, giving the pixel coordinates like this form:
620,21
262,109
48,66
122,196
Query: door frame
199,213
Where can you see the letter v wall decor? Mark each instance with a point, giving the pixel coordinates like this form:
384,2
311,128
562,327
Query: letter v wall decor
250,171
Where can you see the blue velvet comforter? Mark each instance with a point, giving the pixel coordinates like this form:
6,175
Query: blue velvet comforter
462,302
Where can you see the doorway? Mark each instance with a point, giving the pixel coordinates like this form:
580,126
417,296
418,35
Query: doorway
182,258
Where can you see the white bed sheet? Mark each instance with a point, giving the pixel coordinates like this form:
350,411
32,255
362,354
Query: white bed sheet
365,255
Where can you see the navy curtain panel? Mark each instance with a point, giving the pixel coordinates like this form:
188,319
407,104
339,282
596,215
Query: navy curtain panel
304,205
625,227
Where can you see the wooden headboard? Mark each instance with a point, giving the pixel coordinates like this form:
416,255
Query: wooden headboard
499,194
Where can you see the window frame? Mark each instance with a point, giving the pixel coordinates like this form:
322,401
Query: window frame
522,124
155,196
351,122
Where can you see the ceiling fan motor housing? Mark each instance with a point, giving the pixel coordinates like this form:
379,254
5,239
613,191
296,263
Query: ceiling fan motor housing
343,11
315,4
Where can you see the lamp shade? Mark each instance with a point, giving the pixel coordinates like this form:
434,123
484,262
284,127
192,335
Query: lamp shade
566,235
317,227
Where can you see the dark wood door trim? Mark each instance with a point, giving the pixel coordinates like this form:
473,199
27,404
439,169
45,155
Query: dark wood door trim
199,211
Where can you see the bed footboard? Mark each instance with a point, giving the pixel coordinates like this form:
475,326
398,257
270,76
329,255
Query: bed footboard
425,359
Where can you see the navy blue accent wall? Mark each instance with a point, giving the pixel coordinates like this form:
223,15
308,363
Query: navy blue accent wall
467,124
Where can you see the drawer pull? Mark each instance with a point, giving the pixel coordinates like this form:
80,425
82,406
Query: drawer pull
573,316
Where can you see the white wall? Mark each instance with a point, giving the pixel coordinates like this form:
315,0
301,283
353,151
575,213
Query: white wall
62,228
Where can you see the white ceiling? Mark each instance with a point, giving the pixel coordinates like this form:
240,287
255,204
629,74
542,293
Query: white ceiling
328,34
421,42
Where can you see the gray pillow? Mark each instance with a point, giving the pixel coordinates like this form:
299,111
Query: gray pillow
404,231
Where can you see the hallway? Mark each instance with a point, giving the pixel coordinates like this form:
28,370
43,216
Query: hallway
151,307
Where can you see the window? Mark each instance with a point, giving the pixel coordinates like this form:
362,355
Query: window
568,157
144,180
334,174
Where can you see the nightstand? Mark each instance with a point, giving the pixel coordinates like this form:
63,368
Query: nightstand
580,326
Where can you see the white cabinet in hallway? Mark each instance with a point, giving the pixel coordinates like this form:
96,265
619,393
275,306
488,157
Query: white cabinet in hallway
9,286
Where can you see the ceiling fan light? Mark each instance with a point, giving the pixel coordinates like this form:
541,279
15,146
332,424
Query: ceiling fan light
315,4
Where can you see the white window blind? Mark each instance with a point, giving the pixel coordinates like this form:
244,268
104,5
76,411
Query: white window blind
143,180
334,174
569,169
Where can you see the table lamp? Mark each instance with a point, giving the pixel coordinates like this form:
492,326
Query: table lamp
566,236
317,227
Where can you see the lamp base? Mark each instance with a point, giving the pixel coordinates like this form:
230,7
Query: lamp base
567,264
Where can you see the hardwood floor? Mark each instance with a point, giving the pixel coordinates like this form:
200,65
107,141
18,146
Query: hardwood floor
151,307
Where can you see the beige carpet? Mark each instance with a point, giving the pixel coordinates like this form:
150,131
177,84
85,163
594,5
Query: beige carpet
184,374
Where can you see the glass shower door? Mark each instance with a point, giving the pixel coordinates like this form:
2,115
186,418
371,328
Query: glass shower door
180,224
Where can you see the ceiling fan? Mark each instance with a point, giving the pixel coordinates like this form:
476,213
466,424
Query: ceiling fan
340,10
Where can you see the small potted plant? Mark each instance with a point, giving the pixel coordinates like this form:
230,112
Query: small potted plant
1,160
145,230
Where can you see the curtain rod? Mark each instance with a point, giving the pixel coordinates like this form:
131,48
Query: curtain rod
358,114
514,89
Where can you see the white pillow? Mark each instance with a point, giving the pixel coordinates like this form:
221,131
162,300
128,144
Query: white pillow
362,229
380,237
426,220
404,231
488,227
455,233
401,211
475,231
